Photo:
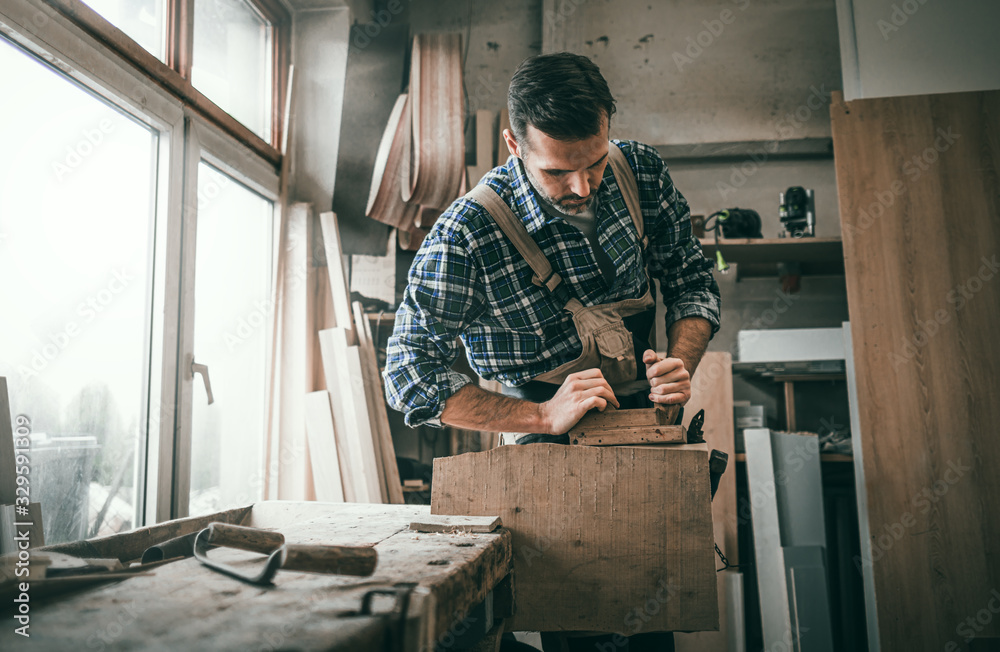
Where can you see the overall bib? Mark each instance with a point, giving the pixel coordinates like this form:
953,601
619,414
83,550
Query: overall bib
613,335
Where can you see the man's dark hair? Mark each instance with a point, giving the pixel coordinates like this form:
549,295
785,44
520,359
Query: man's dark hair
563,95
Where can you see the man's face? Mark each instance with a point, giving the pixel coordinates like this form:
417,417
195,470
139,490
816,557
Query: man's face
566,174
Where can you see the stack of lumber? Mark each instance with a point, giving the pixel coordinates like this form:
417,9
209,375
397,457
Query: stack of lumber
351,449
420,164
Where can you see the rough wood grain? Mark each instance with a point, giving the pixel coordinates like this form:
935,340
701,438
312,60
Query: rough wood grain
184,605
456,524
437,157
629,436
712,391
918,186
627,527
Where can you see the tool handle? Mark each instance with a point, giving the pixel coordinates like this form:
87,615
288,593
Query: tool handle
337,560
244,538
666,415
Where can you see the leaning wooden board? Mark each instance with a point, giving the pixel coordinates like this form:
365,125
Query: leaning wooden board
186,606
615,539
918,187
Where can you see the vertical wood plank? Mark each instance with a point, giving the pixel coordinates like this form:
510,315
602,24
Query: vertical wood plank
918,186
320,431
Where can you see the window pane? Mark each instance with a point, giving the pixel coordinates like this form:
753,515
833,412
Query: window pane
231,62
142,20
77,184
231,313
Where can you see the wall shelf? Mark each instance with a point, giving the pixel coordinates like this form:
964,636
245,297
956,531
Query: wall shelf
757,257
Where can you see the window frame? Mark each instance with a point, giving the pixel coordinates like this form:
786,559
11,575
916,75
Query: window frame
186,136
175,74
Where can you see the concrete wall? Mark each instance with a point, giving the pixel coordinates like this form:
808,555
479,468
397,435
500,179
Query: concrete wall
918,47
687,71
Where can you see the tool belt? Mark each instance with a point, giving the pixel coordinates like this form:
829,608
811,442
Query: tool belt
607,344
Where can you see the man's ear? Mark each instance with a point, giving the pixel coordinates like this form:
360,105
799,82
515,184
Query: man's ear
512,146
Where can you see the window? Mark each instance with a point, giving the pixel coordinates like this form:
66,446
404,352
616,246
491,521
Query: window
144,21
231,316
227,59
231,60
77,191
115,275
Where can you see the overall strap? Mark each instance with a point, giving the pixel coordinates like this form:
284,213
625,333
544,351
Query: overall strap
630,189
514,229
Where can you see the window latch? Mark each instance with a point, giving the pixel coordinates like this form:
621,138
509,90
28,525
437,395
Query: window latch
203,370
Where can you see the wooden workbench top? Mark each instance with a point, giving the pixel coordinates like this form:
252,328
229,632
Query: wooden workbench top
184,605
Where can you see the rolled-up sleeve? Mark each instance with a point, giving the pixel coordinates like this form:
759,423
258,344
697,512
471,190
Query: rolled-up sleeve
676,258
443,296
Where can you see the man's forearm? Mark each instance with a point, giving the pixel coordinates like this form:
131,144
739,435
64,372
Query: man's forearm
475,408
688,339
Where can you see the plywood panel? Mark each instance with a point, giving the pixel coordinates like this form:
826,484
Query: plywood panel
712,391
614,539
917,178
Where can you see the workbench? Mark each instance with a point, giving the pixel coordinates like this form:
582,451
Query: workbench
428,588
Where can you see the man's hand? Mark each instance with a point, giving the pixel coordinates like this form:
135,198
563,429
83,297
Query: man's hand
669,381
579,393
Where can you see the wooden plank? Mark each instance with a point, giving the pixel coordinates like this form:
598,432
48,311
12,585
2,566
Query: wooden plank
184,605
372,408
338,278
484,146
352,423
917,185
380,417
627,527
8,486
347,455
629,436
790,405
385,202
452,524
322,438
437,168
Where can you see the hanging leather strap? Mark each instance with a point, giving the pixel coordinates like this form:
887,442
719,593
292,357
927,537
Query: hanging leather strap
514,229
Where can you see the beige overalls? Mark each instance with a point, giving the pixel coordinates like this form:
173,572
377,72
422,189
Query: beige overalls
607,343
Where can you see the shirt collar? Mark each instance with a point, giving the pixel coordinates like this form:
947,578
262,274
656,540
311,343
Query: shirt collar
526,204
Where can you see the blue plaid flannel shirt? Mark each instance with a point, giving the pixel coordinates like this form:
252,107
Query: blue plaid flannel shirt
467,281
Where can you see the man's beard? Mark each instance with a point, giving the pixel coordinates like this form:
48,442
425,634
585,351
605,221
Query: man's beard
569,209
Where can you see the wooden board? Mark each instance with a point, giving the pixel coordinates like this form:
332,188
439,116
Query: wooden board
918,189
626,527
484,146
376,406
346,454
335,267
629,436
456,524
712,391
437,157
320,431
385,201
186,606
353,415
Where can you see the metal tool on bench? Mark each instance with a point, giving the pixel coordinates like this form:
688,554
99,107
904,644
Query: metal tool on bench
310,558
